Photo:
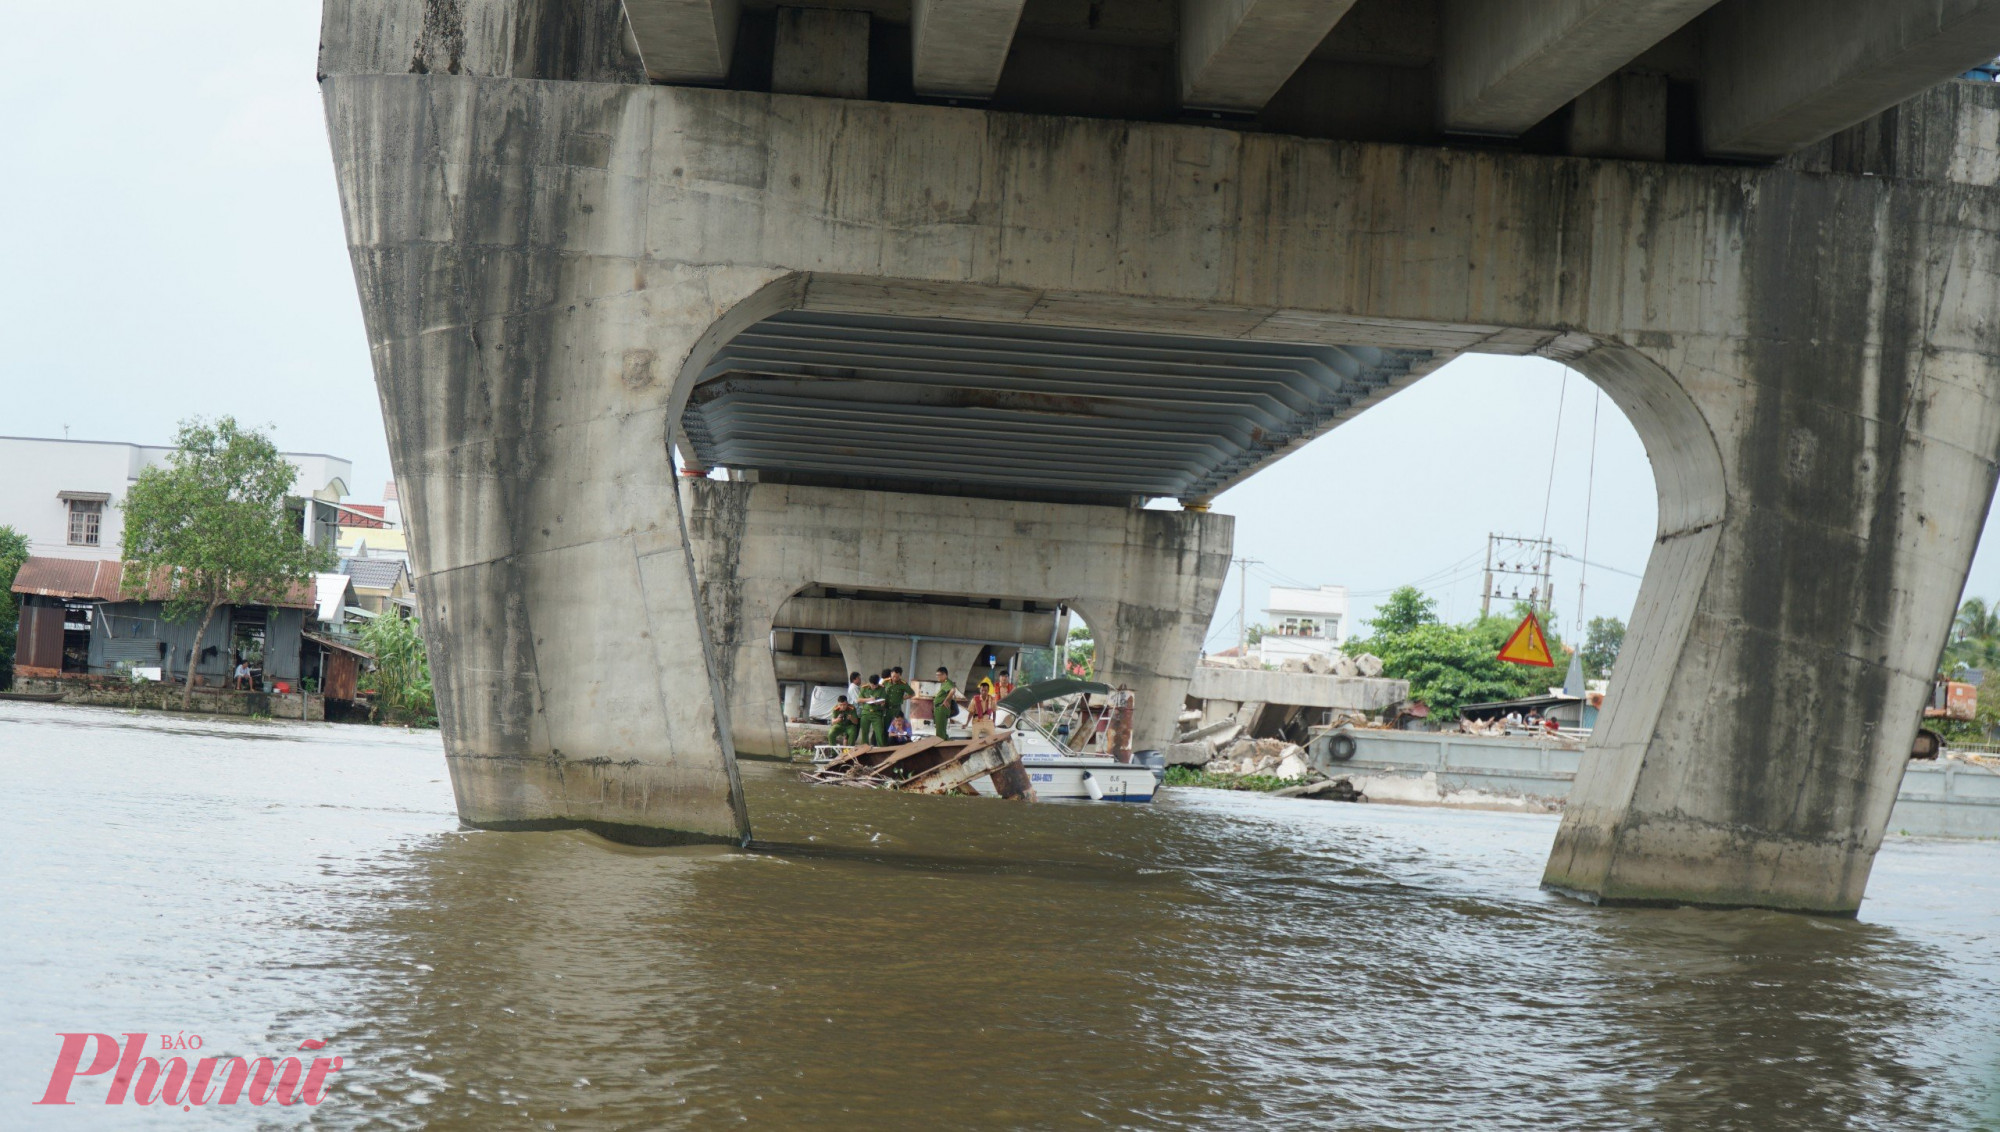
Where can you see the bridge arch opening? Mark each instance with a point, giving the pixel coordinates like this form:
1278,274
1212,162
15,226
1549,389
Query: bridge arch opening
823,635
1407,494
982,392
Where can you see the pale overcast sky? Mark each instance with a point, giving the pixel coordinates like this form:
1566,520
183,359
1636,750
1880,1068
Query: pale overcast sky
172,246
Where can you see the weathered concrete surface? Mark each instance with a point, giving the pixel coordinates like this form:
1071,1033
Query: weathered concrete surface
821,51
957,47
1301,689
1809,358
1781,74
866,655
966,622
685,41
1146,581
1235,54
1504,65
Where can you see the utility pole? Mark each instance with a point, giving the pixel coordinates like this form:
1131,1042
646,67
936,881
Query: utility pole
1526,559
1243,604
1486,589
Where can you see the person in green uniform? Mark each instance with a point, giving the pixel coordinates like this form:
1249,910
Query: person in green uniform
895,691
944,703
846,725
874,723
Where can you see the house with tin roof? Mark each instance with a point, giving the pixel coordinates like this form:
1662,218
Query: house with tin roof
381,585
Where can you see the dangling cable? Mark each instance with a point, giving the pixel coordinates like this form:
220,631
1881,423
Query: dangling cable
1554,447
1589,492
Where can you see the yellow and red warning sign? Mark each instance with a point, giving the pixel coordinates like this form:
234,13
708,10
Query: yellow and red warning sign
1528,645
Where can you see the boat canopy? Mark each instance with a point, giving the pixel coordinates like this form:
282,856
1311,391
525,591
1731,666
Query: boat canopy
1028,695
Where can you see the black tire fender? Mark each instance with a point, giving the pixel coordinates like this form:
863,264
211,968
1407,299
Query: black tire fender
1340,746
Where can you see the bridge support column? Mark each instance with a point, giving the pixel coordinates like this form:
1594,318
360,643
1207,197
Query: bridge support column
1146,581
1824,475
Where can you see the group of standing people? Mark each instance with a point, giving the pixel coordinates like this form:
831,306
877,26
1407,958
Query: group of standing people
875,710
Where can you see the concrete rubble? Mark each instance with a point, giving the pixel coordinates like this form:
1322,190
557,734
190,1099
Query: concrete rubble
1253,719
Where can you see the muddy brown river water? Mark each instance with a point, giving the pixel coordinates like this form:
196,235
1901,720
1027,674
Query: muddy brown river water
879,961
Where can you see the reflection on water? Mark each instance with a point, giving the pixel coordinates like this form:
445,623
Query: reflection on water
881,961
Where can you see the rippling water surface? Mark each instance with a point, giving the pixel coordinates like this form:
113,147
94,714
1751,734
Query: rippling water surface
878,961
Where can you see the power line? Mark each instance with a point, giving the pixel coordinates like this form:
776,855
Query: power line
1555,446
1282,578
1243,603
1589,494
1598,565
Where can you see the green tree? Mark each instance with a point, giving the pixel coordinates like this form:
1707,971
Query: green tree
1601,641
213,521
13,552
1976,620
1449,666
1036,664
1255,634
1405,610
1975,638
1082,652
402,675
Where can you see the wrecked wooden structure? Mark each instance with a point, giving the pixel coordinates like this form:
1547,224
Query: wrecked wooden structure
931,766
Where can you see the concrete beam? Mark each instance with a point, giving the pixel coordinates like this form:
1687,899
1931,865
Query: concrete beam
1781,74
1504,65
685,41
958,47
1235,54
822,52
965,623
1624,117
1297,689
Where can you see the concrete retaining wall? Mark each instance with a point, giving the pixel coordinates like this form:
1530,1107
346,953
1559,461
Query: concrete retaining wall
160,696
1945,798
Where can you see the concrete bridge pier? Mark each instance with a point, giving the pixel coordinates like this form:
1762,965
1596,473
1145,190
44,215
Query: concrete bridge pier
1147,581
1823,484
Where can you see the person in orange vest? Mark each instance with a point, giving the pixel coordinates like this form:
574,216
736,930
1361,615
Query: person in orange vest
981,708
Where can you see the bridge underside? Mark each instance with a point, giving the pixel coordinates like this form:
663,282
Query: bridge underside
1047,412
1010,329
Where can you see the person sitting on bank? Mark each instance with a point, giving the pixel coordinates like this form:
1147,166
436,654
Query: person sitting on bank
846,724
981,709
243,675
944,704
899,729
874,724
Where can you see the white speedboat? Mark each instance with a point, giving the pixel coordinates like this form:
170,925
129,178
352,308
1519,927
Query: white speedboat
1058,771
1058,774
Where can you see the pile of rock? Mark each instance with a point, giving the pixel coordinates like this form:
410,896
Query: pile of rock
1273,758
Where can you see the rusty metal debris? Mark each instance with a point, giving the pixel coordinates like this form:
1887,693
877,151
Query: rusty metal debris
931,766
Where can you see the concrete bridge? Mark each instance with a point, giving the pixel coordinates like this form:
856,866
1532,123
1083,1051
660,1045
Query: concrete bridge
952,287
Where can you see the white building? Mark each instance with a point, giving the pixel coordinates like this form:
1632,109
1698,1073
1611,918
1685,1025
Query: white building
1304,623
64,495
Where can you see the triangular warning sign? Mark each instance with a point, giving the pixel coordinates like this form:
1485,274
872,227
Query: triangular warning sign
1528,645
